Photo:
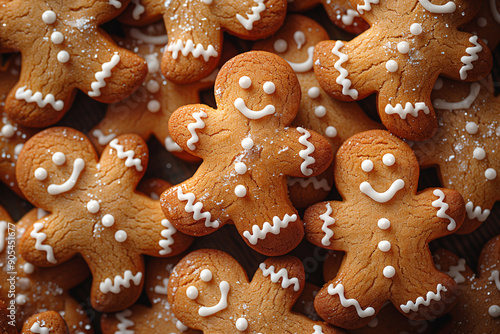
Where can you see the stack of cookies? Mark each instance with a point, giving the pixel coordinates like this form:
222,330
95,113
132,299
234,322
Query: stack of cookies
133,131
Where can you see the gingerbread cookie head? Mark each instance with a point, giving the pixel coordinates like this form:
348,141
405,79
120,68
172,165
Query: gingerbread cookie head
408,45
210,291
377,176
478,306
95,210
248,150
64,41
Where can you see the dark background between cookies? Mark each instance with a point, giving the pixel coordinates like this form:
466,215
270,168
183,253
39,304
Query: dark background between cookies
86,113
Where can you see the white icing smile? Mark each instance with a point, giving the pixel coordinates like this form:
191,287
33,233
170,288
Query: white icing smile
239,103
221,305
366,188
304,66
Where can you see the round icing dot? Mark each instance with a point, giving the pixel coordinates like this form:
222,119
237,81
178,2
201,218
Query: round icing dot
490,174
154,105
241,324
206,275
331,132
192,292
41,174
479,153
18,148
367,166
57,37
384,246
240,168
208,2
8,131
416,29
320,111
108,220
49,17
93,206
280,45
403,47
384,223
63,56
24,283
300,38
439,84
121,235
494,311
482,22
21,299
373,323
59,158
471,127
389,272
240,190
28,268
313,92
153,86
388,159
391,66
269,87
247,143
180,326
245,82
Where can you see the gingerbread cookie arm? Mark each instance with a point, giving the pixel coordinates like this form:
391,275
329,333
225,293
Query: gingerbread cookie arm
453,266
46,322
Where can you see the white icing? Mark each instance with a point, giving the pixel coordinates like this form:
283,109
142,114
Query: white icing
320,111
28,268
189,48
300,39
467,60
283,274
152,62
27,95
171,145
40,238
241,324
313,92
389,272
261,233
305,182
388,159
306,65
41,174
384,246
305,154
327,222
108,220
192,292
408,109
383,223
93,206
240,168
464,104
416,29
57,38
254,17
128,155
245,82
206,275
495,277
391,66
494,11
49,17
317,329
367,166
208,2
124,323
239,103
221,305
3,229
59,158
454,271
442,209
476,212
103,74
342,78
280,45
413,306
366,188
149,39
240,190
18,148
39,329
192,127
269,87
490,174
447,8
63,56
471,128
247,143
56,189
115,3
8,131
479,153
438,84
331,132
153,86
494,311
403,47
180,326
348,18
101,138
21,300
40,213
339,289
121,236
138,11
115,285
166,234
196,208
366,6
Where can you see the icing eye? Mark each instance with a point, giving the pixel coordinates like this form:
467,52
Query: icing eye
41,174
192,292
367,166
245,82
280,45
269,87
388,159
206,275
300,39
59,158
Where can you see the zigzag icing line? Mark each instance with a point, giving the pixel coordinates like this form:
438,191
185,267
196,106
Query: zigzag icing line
39,329
467,60
115,285
305,182
366,6
476,212
408,109
342,78
442,209
124,322
167,235
306,154
192,127
195,208
197,51
254,17
162,289
129,155
101,138
454,271
348,18
40,237
101,75
261,233
413,306
339,289
138,10
27,95
327,221
282,273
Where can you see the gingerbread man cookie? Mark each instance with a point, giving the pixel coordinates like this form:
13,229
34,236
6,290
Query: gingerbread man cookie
208,290
248,150
465,146
409,44
341,13
195,30
38,289
384,226
95,211
147,110
335,120
64,42
478,306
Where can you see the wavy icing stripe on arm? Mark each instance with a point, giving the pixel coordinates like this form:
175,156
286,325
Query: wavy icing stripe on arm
195,208
342,78
192,127
261,233
339,290
472,56
128,155
442,209
115,285
254,17
327,221
413,306
40,237
306,154
27,95
103,74
283,274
